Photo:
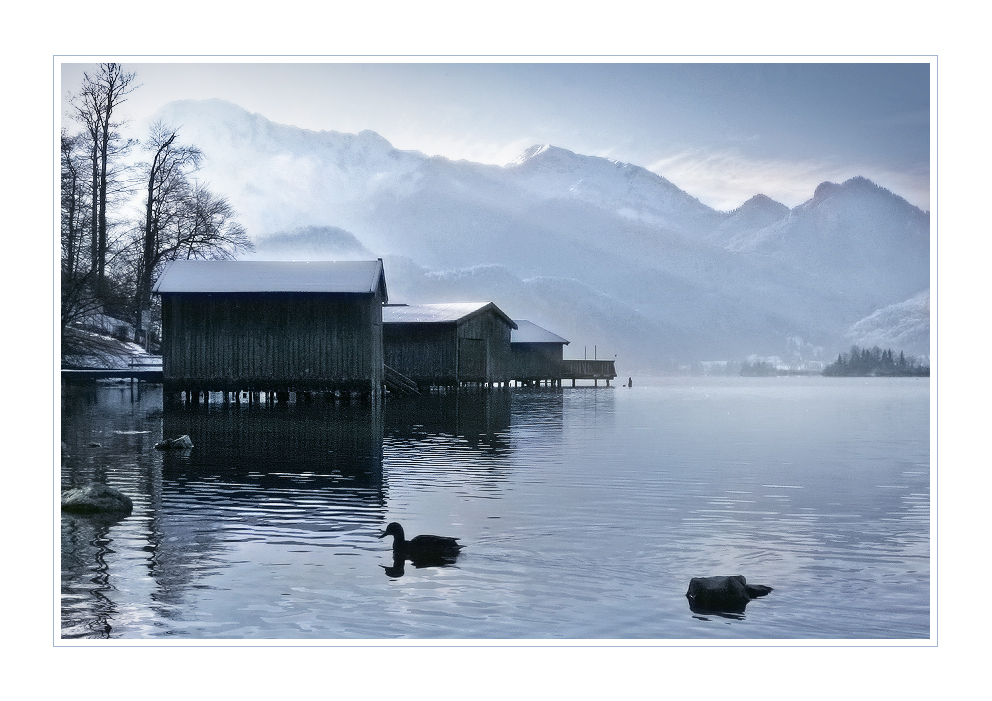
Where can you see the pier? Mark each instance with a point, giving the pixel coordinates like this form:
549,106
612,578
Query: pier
573,370
142,368
594,370
105,374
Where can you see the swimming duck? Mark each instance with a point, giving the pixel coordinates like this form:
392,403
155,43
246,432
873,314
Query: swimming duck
422,548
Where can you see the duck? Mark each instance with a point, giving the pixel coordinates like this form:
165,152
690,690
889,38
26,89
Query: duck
422,548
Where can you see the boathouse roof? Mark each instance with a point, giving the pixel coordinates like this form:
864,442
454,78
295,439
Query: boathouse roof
529,332
448,312
352,277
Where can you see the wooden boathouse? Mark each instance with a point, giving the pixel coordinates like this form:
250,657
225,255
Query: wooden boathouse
448,345
537,354
272,326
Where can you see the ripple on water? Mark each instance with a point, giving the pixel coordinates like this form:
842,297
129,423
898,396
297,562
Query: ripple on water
584,514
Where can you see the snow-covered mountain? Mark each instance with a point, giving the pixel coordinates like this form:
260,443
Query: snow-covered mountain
627,190
905,325
852,233
606,254
754,215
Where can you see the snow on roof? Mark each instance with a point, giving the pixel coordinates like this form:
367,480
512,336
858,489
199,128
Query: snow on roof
362,277
529,332
435,313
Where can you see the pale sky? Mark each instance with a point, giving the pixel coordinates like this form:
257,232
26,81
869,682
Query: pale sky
720,131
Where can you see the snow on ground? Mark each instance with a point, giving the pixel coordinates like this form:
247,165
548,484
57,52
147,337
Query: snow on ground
113,353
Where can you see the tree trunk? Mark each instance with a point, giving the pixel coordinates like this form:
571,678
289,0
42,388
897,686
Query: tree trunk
94,243
102,237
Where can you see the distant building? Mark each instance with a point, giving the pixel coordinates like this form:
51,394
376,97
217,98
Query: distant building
449,344
537,354
272,326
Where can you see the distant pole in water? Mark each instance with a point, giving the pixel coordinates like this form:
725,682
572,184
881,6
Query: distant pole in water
630,381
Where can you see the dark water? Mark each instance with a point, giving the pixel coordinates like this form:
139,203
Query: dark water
584,513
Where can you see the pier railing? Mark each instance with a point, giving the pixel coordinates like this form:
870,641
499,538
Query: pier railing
588,369
398,382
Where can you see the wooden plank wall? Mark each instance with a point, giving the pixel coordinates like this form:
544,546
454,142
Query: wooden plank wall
426,353
489,361
288,342
476,349
537,361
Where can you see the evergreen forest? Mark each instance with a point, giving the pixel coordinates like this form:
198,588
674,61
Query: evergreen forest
875,362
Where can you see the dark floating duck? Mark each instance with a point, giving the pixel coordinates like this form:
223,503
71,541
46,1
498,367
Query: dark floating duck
722,594
423,550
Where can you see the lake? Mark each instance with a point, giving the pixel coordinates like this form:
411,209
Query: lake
583,512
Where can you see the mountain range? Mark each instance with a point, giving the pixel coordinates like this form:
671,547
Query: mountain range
607,254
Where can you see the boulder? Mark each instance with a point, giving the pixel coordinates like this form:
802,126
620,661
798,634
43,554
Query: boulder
722,594
96,498
175,443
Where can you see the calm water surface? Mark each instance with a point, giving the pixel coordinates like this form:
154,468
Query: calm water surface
584,513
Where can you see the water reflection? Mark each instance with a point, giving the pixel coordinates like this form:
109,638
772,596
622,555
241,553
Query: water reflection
458,441
283,445
107,432
85,547
583,513
479,418
277,475
398,568
301,477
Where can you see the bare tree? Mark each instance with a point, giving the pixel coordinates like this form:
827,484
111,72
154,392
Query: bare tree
182,219
78,302
95,107
166,187
75,203
110,270
208,229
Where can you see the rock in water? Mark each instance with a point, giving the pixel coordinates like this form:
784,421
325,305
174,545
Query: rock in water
722,594
171,443
96,498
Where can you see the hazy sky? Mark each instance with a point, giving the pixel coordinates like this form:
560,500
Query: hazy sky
720,131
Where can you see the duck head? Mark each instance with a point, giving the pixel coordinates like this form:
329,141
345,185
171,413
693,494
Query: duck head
394,529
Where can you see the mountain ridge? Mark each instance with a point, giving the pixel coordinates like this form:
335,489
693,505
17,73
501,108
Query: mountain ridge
703,284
